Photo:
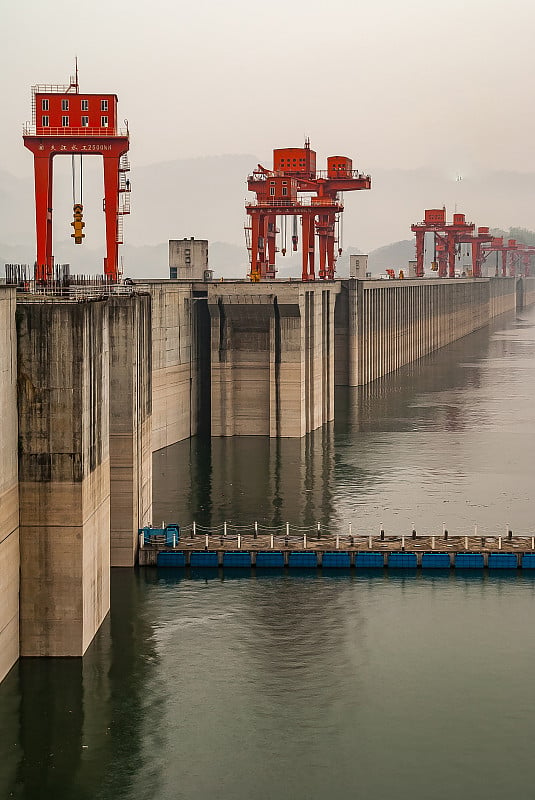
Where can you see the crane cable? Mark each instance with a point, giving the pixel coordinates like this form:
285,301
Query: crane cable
73,169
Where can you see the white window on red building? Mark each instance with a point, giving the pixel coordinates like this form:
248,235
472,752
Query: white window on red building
65,122
104,122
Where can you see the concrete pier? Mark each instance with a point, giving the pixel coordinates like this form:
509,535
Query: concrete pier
272,357
9,493
130,424
175,376
64,474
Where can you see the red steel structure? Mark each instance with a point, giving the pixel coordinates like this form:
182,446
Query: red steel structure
278,195
66,122
516,257
447,237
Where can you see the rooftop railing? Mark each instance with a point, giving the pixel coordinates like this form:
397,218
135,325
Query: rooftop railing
40,130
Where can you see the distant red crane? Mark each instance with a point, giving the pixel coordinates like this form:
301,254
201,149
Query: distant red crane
279,193
447,236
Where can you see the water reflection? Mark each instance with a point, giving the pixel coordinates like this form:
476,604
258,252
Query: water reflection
72,727
448,439
247,478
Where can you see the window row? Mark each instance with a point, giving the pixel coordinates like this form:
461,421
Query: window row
65,105
45,122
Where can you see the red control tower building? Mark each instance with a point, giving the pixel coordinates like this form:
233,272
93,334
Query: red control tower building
66,122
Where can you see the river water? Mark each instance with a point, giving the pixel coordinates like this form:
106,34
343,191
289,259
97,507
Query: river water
302,686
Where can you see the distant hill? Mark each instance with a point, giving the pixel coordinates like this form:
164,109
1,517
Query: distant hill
392,256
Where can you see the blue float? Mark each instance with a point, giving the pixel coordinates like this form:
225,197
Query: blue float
469,561
152,535
171,560
436,561
368,560
402,560
303,559
528,561
271,558
336,560
236,558
503,561
203,558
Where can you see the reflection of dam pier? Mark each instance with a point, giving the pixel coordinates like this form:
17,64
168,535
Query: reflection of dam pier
91,387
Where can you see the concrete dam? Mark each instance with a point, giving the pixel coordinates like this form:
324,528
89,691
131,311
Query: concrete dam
92,385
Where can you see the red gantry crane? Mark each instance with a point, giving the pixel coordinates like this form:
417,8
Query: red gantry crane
447,237
294,188
516,257
66,122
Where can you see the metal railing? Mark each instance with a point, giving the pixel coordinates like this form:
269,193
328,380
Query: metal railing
320,174
308,202
73,294
318,536
40,130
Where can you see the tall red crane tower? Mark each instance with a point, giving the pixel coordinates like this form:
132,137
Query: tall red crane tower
279,193
66,122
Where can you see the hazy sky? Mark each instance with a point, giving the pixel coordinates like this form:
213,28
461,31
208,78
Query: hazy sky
387,82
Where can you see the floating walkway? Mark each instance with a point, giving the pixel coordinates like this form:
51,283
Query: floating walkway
169,547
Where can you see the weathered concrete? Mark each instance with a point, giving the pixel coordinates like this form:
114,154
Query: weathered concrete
64,474
175,376
272,357
9,497
130,424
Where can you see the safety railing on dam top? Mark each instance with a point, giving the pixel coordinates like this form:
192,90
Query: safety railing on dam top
72,294
257,536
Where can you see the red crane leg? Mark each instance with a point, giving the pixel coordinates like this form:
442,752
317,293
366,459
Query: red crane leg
311,249
43,216
419,254
331,260
262,244
451,256
49,234
111,203
254,245
271,243
322,239
476,259
305,221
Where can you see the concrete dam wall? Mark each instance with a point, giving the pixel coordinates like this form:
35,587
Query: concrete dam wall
381,325
9,487
101,384
236,358
84,460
